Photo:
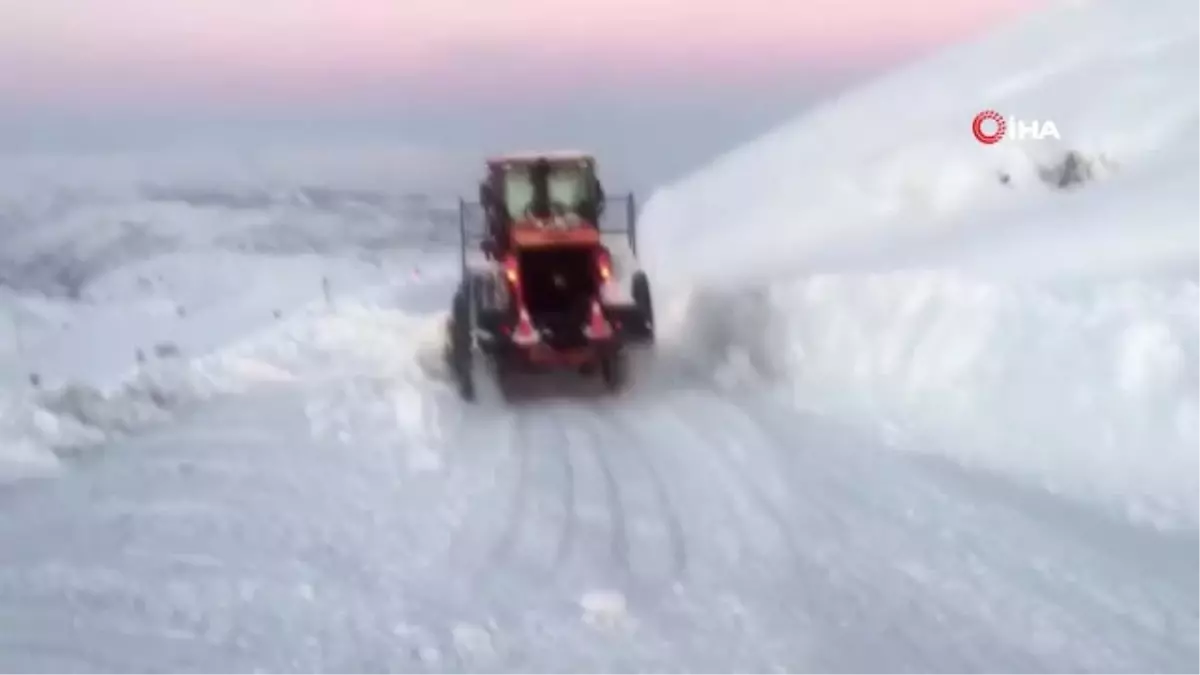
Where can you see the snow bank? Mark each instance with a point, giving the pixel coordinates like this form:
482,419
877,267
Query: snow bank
380,380
165,333
39,425
881,265
1090,392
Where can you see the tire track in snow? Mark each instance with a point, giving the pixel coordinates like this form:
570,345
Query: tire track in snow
542,436
567,535
502,549
713,438
619,542
497,583
481,512
619,545
820,524
854,505
636,445
508,525
834,521
739,437
540,540
746,574
957,574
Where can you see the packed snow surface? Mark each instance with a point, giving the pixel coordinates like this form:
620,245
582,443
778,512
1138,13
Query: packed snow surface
917,403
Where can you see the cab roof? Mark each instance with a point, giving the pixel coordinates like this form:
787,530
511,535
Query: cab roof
531,156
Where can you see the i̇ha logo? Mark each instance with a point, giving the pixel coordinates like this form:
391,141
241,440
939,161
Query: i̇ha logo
989,128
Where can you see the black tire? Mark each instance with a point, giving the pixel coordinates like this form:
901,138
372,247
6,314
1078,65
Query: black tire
460,345
508,383
614,371
645,306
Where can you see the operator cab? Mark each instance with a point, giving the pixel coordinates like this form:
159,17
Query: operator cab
556,190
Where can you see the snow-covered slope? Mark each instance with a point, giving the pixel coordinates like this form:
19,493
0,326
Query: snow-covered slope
895,163
955,293
134,285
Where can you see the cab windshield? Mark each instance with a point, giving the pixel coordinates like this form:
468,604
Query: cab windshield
566,185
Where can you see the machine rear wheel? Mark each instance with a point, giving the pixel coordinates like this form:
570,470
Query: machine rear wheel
460,346
614,371
645,306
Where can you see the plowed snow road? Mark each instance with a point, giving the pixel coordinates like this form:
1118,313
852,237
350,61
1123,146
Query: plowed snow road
673,530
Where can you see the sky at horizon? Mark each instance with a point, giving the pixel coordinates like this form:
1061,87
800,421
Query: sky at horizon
465,71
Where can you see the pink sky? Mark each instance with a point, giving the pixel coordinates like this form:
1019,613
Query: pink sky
73,52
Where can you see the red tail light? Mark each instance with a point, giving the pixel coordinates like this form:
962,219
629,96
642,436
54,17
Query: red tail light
604,265
511,272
